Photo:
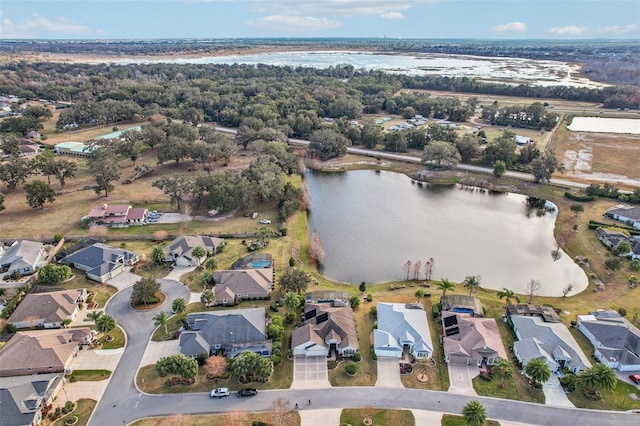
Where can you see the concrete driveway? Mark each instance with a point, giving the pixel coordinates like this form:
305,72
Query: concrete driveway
388,373
554,394
310,372
156,350
460,377
124,280
178,271
103,359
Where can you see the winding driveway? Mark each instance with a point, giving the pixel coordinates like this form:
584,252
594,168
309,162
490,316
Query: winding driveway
122,402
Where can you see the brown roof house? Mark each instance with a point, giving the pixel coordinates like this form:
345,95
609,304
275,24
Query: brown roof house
326,330
179,250
48,310
42,351
243,284
471,340
117,215
23,398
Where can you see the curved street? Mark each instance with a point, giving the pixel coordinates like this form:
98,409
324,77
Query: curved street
123,403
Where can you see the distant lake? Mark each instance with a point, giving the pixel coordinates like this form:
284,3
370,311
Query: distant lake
510,70
605,125
371,223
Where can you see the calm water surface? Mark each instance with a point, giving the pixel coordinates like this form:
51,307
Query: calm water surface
371,223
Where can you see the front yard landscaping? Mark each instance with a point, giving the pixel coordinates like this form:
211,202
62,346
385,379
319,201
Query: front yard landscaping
83,410
117,342
89,375
358,416
451,420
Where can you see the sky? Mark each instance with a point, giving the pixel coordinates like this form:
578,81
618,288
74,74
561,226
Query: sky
480,19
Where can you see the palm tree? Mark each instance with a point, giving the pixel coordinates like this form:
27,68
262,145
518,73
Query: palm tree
502,368
598,377
211,264
93,316
105,324
419,295
508,294
161,319
474,414
291,301
66,322
472,283
207,297
538,370
179,305
445,285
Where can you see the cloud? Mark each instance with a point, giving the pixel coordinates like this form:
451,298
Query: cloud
619,30
38,26
392,15
511,27
284,23
568,30
337,8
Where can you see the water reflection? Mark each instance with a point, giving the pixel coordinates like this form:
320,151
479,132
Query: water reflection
371,224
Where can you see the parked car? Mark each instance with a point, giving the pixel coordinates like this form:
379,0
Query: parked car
265,221
219,393
635,378
247,392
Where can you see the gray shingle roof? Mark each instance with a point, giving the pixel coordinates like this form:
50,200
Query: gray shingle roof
543,338
397,321
20,397
21,254
97,255
619,338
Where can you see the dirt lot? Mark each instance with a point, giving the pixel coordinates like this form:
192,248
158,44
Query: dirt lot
599,157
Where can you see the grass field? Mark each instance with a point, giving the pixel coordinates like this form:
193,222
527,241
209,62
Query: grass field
379,417
231,418
89,375
118,341
451,420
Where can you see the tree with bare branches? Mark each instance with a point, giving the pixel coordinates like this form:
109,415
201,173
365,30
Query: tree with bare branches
533,286
281,413
316,252
407,268
216,365
428,268
236,418
416,269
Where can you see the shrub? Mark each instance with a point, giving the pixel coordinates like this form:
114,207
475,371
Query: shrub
202,358
57,238
373,311
284,232
275,358
369,297
356,357
569,382
435,311
575,197
290,317
362,287
292,262
351,368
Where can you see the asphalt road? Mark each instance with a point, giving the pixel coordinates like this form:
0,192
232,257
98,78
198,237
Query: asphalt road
417,160
122,402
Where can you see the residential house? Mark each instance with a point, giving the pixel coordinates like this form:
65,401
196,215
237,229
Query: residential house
118,215
471,340
610,238
326,330
615,340
628,215
402,327
48,310
462,304
22,399
547,313
243,284
179,250
550,341
23,257
230,332
42,351
101,262
34,135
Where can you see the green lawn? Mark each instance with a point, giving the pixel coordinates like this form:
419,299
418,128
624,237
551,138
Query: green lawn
451,420
89,375
117,342
514,388
231,418
352,416
83,411
616,399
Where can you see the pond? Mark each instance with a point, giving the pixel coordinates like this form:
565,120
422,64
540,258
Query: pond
371,223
